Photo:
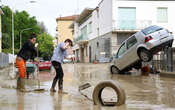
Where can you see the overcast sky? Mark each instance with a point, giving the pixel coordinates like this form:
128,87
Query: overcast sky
48,10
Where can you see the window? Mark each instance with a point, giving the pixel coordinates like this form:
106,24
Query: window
126,18
151,29
121,50
131,41
84,31
90,27
162,15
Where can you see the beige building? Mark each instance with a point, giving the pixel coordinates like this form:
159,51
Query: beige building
1,12
63,30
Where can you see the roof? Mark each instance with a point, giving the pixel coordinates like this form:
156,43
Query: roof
71,18
86,12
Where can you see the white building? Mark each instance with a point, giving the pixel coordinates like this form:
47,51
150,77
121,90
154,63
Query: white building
99,32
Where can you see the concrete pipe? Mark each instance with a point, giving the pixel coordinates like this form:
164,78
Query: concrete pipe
97,98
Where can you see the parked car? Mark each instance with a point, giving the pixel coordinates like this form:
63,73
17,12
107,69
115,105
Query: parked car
44,65
104,59
141,47
67,61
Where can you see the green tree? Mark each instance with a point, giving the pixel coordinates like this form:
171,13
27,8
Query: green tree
6,28
22,20
45,46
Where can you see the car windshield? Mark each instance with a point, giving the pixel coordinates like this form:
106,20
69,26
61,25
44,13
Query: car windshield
151,29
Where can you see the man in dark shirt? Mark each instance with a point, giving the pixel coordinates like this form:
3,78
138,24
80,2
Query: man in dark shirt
28,51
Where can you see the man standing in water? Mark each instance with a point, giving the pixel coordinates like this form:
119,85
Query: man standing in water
59,54
28,51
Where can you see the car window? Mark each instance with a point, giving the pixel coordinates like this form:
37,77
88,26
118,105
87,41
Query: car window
151,29
131,41
121,50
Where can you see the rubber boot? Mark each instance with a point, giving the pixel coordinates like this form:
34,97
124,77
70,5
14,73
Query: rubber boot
53,86
60,86
18,83
22,85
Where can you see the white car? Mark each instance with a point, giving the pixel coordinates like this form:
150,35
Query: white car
67,61
141,47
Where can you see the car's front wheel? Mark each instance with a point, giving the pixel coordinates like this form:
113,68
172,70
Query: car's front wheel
145,55
114,70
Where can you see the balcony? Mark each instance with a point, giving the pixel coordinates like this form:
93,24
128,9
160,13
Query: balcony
130,25
81,38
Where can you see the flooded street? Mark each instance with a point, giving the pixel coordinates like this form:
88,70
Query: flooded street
142,92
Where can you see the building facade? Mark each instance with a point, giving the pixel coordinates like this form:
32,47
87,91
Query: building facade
63,30
99,32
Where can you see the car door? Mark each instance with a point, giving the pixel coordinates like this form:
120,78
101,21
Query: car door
131,46
120,61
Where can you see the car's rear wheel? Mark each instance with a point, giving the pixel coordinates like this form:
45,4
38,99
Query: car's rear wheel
114,70
145,55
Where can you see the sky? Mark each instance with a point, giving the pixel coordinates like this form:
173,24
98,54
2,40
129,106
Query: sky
48,10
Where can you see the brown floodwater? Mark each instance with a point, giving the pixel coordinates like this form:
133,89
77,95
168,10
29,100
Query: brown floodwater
142,92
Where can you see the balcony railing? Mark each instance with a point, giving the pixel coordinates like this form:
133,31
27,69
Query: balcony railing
131,24
81,38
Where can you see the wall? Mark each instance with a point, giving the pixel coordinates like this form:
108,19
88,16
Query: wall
95,25
103,48
93,18
64,31
105,17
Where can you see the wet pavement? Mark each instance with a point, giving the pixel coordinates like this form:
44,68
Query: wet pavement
142,92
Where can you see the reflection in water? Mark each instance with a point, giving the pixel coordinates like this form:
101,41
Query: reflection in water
90,73
57,101
20,99
148,92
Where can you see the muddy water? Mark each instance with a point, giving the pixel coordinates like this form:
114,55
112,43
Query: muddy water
142,92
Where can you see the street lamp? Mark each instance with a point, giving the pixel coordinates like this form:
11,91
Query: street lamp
21,35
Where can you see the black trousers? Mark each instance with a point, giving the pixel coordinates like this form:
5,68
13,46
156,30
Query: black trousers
59,74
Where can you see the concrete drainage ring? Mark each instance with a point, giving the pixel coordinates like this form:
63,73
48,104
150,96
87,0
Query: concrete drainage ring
97,98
